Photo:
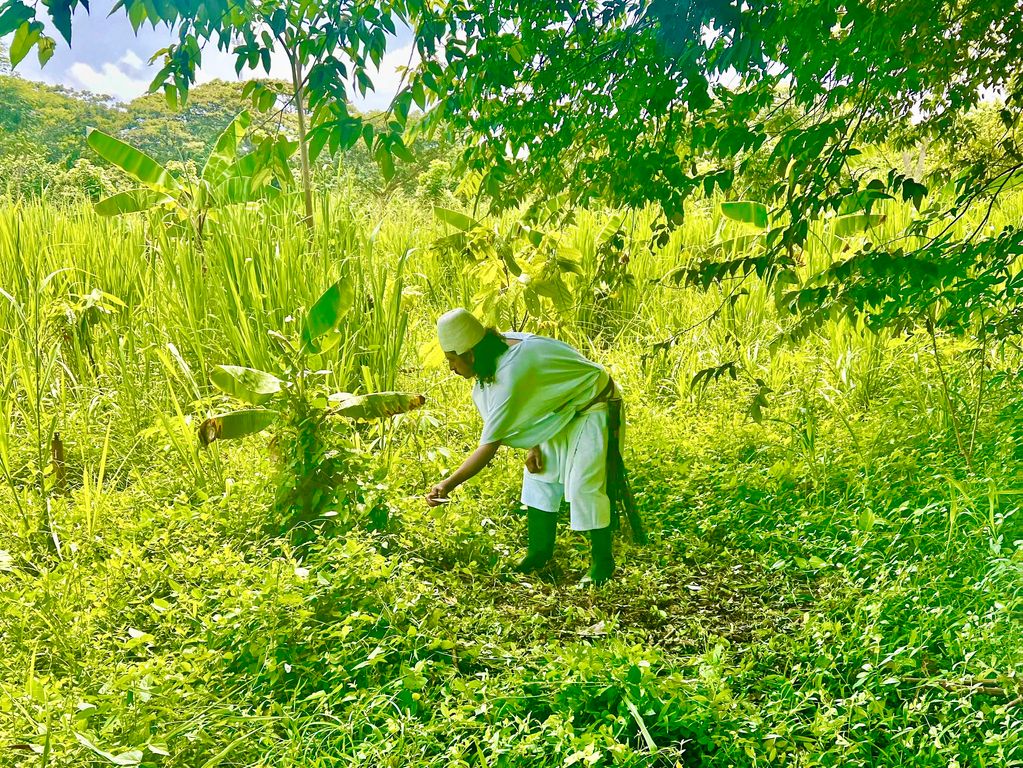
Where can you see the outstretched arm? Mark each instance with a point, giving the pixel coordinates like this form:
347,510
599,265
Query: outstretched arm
476,461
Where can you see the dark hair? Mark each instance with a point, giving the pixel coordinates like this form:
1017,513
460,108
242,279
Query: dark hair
486,353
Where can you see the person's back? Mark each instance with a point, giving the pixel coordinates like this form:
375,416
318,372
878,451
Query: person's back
539,385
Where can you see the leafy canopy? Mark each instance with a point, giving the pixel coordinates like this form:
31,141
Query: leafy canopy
636,102
616,99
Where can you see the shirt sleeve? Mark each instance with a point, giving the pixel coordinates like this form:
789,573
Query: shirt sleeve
479,400
495,410
499,421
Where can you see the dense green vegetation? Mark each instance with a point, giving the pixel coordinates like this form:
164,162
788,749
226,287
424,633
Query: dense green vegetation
43,152
838,584
805,279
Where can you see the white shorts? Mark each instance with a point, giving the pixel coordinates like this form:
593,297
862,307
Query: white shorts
574,468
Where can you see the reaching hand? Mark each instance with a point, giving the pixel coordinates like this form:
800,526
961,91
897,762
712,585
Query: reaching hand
534,460
437,495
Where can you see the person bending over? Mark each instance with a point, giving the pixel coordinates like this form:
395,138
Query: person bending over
543,396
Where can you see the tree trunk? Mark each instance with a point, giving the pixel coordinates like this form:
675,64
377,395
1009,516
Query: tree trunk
303,144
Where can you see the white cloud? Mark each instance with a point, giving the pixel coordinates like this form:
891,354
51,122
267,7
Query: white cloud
132,60
109,80
129,77
387,78
219,65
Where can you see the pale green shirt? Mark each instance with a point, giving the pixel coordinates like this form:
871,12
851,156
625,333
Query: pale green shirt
539,386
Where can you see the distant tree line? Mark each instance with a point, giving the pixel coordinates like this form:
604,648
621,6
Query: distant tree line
43,151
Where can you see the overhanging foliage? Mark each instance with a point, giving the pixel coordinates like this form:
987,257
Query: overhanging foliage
635,102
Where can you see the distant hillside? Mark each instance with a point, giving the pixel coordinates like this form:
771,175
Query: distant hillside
54,119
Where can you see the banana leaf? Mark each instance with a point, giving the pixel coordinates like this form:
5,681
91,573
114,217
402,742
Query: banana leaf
854,223
733,245
378,405
746,211
455,219
248,384
226,148
325,315
135,163
231,426
132,201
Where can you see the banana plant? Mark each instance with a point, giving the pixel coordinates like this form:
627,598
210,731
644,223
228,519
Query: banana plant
227,178
249,421
323,462
275,397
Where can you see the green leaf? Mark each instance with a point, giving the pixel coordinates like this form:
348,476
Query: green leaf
231,426
249,384
534,236
862,200
226,149
746,211
24,39
131,201
136,164
244,190
550,208
254,164
134,757
418,94
220,757
915,191
456,219
14,16
45,48
612,228
402,152
60,12
282,152
509,260
137,14
566,264
278,21
378,405
733,245
385,160
267,100
327,312
854,223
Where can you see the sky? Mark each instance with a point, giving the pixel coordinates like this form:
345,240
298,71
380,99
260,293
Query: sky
107,57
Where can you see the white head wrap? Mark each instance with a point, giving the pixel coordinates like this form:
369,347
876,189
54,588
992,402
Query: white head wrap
459,331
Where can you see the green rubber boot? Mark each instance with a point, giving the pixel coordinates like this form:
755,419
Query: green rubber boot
542,528
602,562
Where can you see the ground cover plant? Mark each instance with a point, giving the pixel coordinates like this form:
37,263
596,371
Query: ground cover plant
791,233
836,584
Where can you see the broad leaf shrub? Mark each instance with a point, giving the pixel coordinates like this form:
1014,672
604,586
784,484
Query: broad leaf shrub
323,463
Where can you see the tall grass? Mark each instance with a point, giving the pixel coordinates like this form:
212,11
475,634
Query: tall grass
216,302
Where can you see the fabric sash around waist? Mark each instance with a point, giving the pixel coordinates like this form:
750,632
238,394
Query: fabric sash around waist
603,396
